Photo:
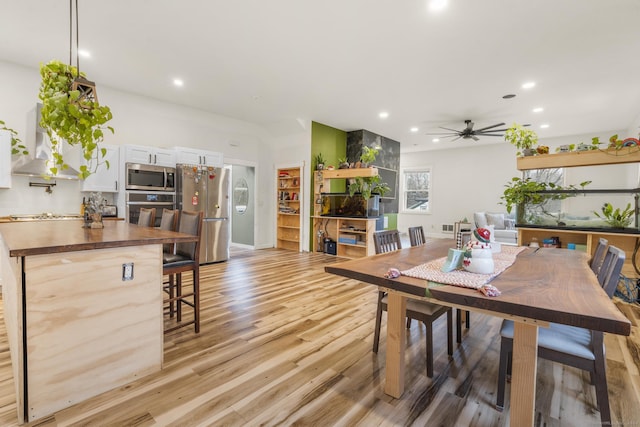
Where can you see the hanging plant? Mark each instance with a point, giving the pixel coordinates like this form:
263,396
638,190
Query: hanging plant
71,113
17,147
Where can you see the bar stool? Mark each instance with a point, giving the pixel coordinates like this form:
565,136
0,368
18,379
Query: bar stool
169,222
186,258
147,217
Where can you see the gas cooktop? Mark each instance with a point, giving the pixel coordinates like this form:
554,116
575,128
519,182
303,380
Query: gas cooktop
43,216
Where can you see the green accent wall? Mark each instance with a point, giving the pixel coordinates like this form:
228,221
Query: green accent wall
332,144
392,221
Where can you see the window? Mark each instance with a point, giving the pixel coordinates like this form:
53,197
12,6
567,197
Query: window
416,190
554,176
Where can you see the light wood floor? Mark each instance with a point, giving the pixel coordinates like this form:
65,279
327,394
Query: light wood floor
283,343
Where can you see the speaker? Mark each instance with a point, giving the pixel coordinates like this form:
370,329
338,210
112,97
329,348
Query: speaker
330,247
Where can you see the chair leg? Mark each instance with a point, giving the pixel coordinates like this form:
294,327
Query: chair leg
505,356
376,333
450,332
429,350
178,295
458,325
172,306
468,320
196,299
408,322
602,395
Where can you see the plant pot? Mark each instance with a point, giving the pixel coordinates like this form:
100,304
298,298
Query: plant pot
542,149
528,152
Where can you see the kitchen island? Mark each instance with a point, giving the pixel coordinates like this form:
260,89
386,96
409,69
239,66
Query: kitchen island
82,308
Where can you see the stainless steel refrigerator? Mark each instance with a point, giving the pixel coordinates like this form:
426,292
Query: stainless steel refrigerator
206,189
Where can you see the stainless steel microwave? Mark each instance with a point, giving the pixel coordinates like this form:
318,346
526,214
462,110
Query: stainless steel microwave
149,177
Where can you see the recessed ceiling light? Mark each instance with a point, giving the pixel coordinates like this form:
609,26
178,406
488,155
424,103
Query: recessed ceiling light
84,53
414,129
435,140
544,126
178,82
509,96
383,115
528,85
538,110
437,5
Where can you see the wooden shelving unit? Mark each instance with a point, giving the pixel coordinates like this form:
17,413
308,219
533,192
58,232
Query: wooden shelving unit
353,236
624,241
289,185
580,158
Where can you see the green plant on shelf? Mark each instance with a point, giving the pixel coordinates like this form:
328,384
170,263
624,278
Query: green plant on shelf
521,193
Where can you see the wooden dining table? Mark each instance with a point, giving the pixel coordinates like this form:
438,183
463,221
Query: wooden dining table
543,285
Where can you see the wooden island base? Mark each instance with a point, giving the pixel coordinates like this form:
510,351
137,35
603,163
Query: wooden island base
76,327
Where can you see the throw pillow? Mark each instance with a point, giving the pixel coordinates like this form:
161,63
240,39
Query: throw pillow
480,219
497,220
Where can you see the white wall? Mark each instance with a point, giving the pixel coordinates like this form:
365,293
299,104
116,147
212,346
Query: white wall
464,180
143,121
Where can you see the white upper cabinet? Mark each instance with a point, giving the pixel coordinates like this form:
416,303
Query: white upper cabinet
105,180
5,159
192,156
149,155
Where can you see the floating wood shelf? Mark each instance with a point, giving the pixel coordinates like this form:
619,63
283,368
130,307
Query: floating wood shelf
580,158
349,173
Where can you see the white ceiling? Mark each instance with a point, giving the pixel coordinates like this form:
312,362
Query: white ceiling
341,62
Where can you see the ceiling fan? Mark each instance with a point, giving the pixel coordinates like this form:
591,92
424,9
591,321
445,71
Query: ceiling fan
469,133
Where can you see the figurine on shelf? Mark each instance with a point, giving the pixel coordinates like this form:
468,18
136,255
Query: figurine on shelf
93,211
478,257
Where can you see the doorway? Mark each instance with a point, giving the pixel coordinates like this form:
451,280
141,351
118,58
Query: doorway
242,205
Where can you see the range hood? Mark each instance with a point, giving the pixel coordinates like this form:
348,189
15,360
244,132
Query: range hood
43,159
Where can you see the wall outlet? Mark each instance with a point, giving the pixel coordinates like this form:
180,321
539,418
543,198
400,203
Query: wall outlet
127,271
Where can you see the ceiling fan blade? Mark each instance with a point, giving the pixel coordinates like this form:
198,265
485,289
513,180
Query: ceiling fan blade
489,127
496,130
452,130
490,134
475,138
442,134
459,136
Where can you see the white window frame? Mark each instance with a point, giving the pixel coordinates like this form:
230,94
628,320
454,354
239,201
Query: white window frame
403,191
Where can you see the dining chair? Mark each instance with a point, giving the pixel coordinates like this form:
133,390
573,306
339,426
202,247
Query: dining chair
186,258
169,222
147,217
416,236
598,255
570,345
426,312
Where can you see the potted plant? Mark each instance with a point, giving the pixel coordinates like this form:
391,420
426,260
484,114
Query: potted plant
368,156
523,139
343,163
616,218
521,193
319,162
72,114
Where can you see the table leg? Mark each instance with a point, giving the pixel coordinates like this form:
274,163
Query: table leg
396,342
523,374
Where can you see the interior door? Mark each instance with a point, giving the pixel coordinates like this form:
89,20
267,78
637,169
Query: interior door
242,204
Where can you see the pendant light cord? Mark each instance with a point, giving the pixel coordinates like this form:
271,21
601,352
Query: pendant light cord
71,36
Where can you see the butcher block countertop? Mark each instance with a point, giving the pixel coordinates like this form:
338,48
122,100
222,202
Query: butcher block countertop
48,237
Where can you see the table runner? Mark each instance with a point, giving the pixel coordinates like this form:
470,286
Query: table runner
431,271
